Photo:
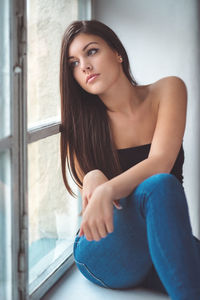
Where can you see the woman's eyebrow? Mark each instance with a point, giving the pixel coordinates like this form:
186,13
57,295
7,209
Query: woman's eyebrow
84,48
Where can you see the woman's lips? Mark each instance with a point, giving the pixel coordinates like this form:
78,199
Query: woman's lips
91,78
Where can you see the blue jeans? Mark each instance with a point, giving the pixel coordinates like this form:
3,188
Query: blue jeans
152,245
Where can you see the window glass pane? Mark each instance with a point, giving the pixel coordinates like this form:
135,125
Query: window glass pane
4,69
47,21
5,227
53,213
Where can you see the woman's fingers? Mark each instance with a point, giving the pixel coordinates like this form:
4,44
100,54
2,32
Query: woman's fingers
96,231
81,232
91,233
109,224
102,230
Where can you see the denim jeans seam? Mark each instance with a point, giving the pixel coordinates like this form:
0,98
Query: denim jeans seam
80,263
162,250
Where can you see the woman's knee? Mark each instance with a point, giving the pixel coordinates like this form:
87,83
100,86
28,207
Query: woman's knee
158,188
163,181
161,192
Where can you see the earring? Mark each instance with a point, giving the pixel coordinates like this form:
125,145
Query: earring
120,59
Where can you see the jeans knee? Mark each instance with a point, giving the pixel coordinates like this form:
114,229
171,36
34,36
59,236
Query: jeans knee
161,184
162,189
161,180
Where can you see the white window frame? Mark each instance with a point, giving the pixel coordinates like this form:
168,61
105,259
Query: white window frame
17,143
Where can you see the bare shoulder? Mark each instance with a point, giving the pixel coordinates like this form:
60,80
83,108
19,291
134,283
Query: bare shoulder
170,85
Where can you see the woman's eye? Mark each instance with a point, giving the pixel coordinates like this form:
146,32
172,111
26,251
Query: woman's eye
92,51
73,64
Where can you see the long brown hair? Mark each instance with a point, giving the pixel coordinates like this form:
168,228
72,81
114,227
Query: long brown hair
85,128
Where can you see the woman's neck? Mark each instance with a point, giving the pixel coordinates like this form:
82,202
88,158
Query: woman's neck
122,97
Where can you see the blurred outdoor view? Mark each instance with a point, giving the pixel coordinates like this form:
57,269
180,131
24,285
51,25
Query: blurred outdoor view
53,213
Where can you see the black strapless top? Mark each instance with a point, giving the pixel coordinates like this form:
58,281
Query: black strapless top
129,157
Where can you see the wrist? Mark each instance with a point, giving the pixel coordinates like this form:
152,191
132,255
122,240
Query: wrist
109,189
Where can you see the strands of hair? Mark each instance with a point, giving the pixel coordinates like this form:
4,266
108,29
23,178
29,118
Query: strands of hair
85,129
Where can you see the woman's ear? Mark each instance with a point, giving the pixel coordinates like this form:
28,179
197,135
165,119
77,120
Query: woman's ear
119,58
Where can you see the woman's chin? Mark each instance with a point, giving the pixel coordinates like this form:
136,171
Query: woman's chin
96,91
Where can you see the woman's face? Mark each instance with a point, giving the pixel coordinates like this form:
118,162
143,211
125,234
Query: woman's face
95,66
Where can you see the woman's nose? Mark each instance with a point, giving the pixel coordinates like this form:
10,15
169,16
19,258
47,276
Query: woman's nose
86,67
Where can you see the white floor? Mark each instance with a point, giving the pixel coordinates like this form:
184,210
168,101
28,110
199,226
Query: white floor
74,286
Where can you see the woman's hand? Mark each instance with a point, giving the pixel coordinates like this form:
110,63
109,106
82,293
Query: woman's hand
97,219
91,180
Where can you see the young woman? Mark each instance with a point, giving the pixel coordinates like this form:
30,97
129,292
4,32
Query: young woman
123,144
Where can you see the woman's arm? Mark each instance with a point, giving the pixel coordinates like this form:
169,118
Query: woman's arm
90,182
166,142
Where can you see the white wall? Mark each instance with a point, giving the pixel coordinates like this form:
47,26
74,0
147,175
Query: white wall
162,39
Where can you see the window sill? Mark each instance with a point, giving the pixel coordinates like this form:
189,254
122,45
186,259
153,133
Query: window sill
73,285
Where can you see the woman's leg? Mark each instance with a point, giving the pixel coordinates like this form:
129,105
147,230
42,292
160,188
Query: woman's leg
175,252
152,280
122,258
